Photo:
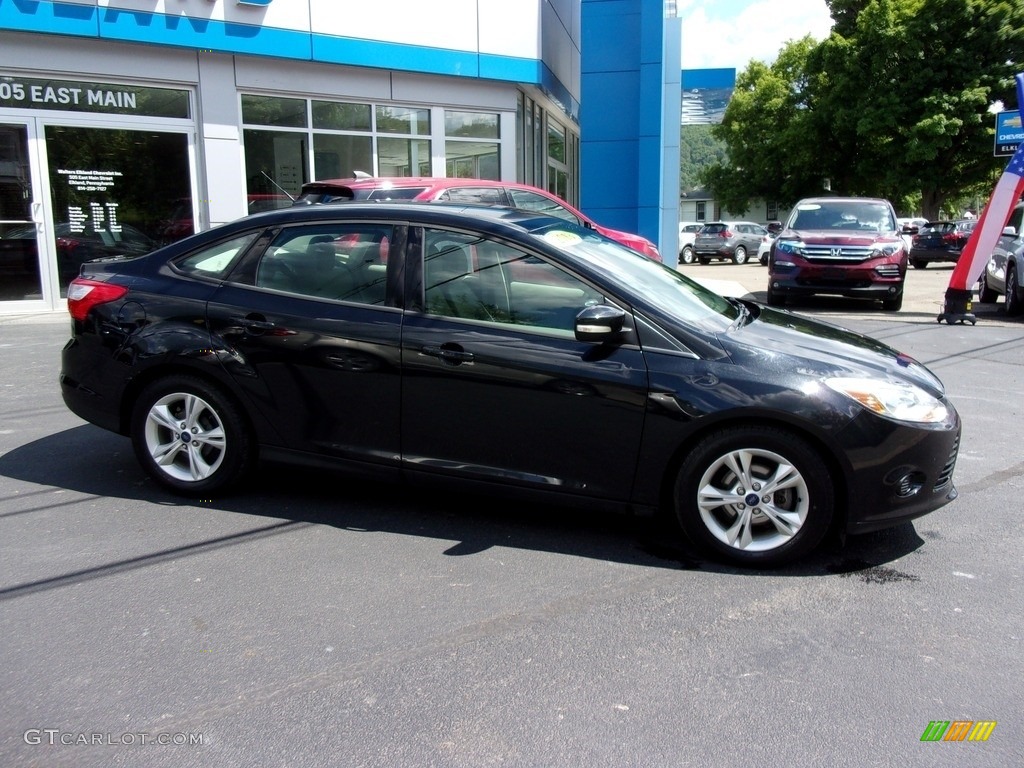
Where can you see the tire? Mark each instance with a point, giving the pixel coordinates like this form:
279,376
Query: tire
686,255
986,295
894,304
774,298
1014,305
739,256
219,448
703,260
919,263
758,463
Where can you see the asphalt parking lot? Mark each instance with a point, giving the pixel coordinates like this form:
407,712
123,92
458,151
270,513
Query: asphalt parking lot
313,620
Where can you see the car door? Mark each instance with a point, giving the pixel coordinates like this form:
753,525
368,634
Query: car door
496,387
314,337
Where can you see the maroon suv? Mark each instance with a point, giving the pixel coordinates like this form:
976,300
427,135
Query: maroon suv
846,246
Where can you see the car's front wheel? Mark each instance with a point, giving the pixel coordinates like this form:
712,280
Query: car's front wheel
686,255
190,436
754,496
894,304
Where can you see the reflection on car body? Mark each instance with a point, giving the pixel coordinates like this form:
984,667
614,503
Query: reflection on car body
505,350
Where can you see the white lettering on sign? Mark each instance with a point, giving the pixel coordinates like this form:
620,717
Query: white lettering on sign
111,99
50,95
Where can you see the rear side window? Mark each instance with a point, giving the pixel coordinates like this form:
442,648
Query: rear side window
216,260
404,193
340,262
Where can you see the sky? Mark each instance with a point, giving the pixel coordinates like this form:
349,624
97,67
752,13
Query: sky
729,33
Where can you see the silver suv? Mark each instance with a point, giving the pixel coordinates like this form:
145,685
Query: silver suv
1004,273
735,241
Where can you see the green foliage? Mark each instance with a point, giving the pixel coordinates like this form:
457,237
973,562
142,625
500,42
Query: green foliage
895,103
698,148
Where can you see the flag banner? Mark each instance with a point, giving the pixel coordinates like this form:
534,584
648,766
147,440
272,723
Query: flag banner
997,212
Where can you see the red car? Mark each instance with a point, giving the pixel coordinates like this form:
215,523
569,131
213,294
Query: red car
482,191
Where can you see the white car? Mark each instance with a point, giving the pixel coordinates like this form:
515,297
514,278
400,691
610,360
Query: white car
764,247
687,231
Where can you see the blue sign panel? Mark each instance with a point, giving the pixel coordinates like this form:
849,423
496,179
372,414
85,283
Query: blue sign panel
1009,132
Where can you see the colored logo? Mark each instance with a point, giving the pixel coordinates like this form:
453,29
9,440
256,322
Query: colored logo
958,730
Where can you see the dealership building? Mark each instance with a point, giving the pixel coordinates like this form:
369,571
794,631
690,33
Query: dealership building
127,123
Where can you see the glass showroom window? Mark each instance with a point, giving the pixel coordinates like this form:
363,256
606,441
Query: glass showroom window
399,151
275,156
342,139
558,168
472,144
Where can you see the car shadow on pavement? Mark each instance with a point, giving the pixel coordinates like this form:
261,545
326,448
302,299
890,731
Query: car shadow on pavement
96,464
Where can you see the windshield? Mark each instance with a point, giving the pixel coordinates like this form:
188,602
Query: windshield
668,291
859,215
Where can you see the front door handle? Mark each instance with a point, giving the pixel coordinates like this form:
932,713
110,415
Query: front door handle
452,354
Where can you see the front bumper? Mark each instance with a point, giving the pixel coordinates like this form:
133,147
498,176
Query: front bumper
858,283
901,471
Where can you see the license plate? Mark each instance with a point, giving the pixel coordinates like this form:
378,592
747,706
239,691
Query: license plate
834,273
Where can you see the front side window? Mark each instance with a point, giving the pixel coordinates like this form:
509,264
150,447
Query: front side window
473,278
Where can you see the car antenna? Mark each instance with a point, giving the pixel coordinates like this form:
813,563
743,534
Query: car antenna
277,185
361,175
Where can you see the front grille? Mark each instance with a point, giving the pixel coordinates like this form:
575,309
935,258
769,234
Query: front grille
836,254
947,471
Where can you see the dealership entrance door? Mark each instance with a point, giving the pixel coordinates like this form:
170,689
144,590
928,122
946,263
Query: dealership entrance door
71,191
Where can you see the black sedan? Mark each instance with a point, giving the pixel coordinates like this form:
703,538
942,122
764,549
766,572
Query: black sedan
503,349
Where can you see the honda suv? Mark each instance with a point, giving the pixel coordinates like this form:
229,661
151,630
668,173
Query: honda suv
479,191
846,246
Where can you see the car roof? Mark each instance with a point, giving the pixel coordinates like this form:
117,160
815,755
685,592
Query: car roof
438,182
487,217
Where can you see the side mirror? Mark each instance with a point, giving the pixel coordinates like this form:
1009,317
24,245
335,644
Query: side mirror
1010,231
599,323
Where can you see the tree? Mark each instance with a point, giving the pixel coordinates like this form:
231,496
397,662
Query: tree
698,148
767,128
895,103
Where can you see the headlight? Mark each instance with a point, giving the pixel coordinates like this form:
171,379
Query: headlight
893,399
886,249
789,246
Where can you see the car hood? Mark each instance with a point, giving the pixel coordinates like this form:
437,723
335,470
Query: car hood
817,350
836,236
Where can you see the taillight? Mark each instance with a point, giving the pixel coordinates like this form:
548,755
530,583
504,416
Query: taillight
950,237
85,294
725,233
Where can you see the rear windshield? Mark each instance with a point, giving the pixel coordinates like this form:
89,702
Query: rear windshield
713,229
404,193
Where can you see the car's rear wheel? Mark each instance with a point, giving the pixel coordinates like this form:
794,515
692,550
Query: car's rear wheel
986,294
739,256
754,496
703,260
686,255
919,263
190,437
1014,305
